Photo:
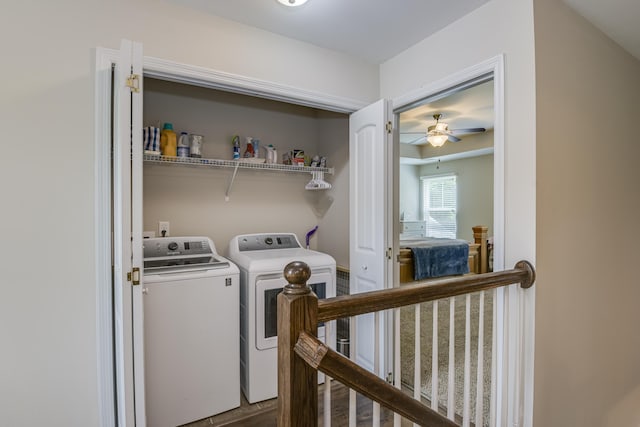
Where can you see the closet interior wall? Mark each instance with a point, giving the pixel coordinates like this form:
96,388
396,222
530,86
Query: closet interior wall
192,198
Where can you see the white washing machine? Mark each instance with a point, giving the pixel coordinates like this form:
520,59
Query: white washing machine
261,259
191,331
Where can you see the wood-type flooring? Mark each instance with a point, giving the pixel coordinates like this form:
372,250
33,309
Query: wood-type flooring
264,414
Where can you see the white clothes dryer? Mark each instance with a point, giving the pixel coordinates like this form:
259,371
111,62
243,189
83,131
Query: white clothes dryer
261,259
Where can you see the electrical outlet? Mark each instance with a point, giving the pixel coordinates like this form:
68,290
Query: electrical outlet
163,228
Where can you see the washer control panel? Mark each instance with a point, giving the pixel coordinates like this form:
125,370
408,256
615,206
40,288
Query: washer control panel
261,242
177,246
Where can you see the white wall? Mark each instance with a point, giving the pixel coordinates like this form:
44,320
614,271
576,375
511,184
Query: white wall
498,27
48,369
587,317
474,38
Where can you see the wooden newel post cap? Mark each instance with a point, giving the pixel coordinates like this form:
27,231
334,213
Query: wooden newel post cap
297,273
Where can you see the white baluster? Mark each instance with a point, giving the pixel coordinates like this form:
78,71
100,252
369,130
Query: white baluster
376,366
451,403
417,380
352,355
397,378
466,402
480,373
494,359
435,398
329,338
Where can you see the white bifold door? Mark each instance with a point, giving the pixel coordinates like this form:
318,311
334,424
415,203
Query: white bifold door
127,235
370,155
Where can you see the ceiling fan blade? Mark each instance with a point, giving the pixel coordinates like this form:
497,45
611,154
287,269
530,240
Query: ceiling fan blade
412,133
418,140
469,130
454,138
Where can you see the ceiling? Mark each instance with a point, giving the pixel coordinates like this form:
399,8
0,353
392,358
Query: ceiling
362,28
359,28
618,19
469,108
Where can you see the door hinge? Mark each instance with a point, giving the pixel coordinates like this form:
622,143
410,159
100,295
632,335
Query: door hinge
389,127
389,253
390,377
133,83
134,276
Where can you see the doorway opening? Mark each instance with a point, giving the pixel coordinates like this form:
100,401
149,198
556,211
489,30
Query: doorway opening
448,181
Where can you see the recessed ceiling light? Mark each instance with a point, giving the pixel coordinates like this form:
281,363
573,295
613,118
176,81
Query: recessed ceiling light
292,2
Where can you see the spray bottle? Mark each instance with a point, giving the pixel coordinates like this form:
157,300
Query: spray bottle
236,147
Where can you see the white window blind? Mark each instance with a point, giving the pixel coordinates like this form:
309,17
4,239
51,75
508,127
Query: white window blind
439,198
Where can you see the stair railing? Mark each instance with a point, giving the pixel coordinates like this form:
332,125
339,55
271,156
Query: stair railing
301,355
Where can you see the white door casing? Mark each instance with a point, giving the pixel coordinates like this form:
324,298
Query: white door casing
369,143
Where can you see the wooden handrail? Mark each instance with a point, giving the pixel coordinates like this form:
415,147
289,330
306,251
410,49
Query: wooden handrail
338,367
369,302
301,355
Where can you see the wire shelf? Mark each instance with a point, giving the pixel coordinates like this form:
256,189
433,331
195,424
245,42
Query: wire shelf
240,164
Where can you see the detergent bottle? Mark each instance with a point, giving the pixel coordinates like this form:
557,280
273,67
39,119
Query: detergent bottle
168,141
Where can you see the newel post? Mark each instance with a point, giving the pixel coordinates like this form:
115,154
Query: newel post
297,381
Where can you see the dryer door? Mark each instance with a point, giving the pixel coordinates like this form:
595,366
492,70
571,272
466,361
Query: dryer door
267,290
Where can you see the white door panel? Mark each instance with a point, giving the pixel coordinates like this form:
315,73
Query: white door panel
127,212
369,142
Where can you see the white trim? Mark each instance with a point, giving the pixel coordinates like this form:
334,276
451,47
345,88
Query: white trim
102,179
199,76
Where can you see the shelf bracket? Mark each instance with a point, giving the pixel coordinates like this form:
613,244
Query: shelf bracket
233,178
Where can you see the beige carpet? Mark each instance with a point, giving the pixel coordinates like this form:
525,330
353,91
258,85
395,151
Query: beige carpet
407,345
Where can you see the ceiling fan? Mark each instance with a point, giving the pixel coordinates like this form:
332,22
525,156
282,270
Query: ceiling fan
439,133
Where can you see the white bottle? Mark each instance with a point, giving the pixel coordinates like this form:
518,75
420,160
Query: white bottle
270,154
183,145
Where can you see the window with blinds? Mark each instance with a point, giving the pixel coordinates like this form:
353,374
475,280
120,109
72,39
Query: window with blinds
439,202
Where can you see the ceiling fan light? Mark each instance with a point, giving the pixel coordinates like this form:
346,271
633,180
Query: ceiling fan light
437,140
292,2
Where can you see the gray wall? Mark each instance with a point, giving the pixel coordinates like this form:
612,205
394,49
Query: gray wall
587,317
193,199
475,191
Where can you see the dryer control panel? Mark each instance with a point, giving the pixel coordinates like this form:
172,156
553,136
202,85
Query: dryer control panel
260,242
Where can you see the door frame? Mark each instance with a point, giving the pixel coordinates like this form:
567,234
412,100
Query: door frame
512,365
105,59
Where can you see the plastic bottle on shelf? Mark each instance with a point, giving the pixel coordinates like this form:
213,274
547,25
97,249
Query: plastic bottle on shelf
249,150
183,145
168,141
236,147
195,145
271,156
